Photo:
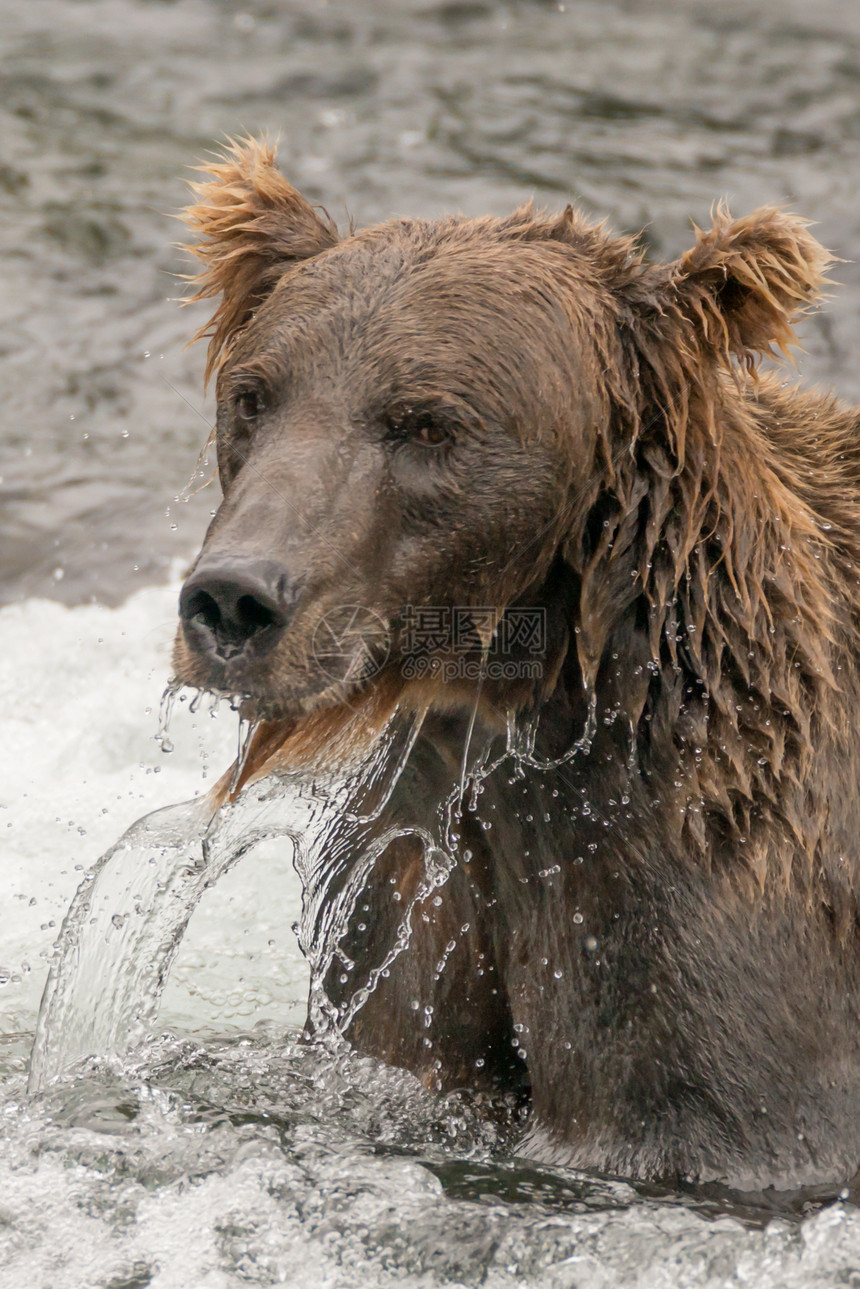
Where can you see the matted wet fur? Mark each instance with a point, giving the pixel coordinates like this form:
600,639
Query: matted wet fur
654,942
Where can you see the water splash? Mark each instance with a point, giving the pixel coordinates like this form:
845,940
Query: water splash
130,913
327,1020
116,945
128,918
521,736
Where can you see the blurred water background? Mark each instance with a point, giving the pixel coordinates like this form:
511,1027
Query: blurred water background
644,113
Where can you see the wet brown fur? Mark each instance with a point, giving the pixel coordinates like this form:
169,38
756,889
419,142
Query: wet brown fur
693,529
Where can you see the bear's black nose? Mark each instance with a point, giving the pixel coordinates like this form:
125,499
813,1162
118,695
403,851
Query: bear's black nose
223,606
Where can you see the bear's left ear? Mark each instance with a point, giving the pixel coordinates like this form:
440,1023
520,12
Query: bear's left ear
747,280
251,224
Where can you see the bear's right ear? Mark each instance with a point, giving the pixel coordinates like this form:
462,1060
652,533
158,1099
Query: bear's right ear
745,282
252,224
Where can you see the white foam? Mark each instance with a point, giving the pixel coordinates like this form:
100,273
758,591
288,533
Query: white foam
80,689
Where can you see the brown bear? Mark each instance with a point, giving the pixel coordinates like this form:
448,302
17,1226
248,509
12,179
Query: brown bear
547,499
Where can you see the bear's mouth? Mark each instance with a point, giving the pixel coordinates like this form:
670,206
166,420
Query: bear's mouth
249,628
276,674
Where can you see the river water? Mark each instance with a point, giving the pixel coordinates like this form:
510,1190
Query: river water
222,1154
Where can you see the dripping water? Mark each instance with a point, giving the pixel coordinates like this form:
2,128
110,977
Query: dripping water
165,714
245,737
632,763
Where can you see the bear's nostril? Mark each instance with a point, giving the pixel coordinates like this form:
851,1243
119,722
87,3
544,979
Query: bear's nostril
254,615
202,608
225,607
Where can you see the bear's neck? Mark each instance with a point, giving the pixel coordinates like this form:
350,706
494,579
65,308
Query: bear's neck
708,614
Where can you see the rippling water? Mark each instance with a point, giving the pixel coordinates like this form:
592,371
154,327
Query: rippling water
219,1157
642,113
217,1163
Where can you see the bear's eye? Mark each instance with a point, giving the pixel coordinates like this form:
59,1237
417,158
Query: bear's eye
248,403
424,428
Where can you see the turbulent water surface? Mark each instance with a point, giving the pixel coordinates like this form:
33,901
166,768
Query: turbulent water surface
221,1153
